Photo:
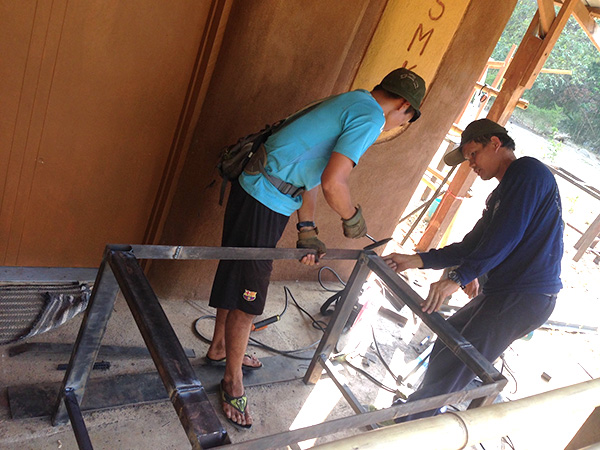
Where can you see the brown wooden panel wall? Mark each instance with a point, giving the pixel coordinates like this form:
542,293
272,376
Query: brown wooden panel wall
278,56
92,94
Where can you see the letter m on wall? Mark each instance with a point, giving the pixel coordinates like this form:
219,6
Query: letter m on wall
421,37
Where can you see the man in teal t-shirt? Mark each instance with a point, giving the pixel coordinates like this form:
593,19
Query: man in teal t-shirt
319,147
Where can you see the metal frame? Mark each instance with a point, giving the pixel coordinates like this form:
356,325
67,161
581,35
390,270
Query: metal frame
120,270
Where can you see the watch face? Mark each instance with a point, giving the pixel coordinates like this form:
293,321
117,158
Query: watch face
452,275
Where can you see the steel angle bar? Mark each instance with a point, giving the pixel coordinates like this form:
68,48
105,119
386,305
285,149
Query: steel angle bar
106,351
81,434
449,336
348,298
281,440
185,390
88,340
342,386
47,274
234,253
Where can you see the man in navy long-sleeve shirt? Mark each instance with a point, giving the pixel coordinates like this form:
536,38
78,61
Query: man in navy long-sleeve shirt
517,243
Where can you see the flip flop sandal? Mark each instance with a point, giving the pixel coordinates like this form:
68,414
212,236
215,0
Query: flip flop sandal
239,404
221,362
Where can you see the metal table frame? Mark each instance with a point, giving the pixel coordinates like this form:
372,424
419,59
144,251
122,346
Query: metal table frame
120,270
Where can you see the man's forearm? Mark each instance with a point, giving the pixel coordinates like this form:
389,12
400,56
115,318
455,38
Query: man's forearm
338,197
306,213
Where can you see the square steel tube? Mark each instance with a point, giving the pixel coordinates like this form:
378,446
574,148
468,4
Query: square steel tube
179,252
187,394
81,434
88,339
327,428
344,306
463,349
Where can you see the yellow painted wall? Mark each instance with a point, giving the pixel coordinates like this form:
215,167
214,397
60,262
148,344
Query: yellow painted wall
413,34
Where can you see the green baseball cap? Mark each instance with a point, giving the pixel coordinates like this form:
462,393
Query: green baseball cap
407,84
474,130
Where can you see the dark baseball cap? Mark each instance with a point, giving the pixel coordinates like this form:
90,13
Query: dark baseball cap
408,85
476,129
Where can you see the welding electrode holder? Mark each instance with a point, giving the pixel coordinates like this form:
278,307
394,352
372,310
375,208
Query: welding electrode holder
262,324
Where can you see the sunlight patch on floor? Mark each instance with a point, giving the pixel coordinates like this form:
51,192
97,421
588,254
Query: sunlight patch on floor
317,407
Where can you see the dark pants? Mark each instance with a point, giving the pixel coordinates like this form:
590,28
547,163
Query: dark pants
490,323
240,284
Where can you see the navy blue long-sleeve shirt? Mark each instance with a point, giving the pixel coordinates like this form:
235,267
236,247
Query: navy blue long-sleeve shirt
518,241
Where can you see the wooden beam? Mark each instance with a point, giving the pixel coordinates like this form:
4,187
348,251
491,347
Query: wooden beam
513,87
522,72
501,64
547,16
492,91
446,210
584,18
584,15
548,42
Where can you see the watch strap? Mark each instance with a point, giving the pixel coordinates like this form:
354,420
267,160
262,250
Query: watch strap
305,224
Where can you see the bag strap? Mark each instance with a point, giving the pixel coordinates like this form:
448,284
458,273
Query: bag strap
283,186
289,119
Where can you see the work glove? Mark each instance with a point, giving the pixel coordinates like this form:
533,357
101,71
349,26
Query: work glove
355,227
309,239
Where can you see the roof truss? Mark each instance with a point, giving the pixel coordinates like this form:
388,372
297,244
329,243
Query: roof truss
584,15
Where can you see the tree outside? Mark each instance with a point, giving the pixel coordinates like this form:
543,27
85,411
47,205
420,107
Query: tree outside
565,105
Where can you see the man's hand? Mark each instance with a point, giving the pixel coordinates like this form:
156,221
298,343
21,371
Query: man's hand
438,291
472,289
309,239
400,263
355,227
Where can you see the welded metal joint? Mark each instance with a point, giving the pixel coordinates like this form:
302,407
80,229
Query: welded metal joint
177,252
81,434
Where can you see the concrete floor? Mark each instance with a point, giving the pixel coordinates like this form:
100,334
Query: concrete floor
275,407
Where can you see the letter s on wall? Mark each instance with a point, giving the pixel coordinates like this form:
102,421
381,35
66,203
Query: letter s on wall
441,12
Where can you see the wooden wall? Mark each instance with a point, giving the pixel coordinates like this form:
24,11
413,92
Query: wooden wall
278,56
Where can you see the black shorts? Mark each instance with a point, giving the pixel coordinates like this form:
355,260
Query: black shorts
238,284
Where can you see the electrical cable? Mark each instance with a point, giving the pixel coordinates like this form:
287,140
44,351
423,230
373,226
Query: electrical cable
371,377
508,441
510,372
381,358
335,274
255,342
318,324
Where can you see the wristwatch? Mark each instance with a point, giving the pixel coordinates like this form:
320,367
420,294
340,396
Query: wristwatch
452,275
305,224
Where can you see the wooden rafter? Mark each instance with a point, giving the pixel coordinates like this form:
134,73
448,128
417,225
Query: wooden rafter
585,18
522,72
547,15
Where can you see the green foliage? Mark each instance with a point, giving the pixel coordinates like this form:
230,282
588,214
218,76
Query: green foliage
570,103
554,148
541,120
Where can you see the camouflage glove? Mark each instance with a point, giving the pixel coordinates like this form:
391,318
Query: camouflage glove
355,227
309,239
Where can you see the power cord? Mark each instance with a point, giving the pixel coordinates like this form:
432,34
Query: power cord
509,371
318,324
334,274
370,377
382,359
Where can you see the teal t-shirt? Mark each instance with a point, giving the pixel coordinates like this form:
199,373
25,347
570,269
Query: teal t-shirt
298,153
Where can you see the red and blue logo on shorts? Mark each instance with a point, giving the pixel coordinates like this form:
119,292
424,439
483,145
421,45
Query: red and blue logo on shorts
249,296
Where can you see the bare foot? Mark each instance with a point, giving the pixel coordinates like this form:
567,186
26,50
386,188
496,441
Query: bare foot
249,361
232,401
